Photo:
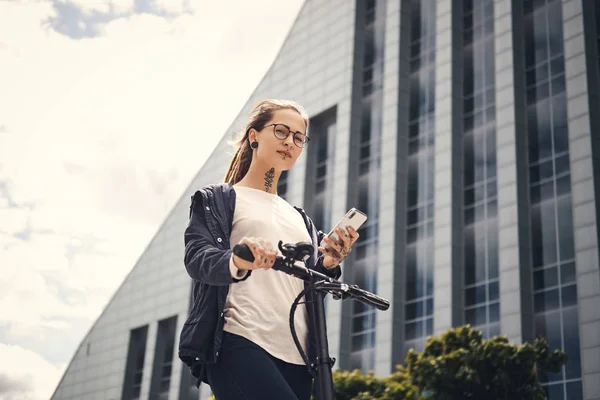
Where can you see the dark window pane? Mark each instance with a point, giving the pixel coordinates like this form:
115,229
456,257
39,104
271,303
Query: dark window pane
557,65
569,295
548,326
492,248
493,291
565,228
414,329
545,278
469,160
429,326
475,295
567,273
543,234
574,391
555,24
559,121
557,85
411,272
539,129
469,196
571,332
554,392
469,255
563,185
546,301
540,31
562,164
476,316
494,330
494,312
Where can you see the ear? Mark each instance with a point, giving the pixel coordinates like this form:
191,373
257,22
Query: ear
252,135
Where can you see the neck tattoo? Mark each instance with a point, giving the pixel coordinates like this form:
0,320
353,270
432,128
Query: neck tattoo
269,176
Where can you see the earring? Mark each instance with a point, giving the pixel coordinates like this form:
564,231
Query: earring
254,145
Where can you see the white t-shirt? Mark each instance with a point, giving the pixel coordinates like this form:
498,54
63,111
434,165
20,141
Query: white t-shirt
258,308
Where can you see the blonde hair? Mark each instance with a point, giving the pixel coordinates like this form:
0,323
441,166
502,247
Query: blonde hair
258,117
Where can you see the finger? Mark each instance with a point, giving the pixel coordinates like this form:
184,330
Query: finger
345,239
266,259
272,259
332,244
353,233
259,257
341,235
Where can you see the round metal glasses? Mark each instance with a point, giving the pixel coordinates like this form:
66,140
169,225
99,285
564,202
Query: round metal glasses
282,132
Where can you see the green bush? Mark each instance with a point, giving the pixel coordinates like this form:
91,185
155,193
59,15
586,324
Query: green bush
459,364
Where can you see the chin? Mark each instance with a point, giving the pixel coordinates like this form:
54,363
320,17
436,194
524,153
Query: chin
284,164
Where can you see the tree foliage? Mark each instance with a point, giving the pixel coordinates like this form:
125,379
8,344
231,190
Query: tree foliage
462,365
459,364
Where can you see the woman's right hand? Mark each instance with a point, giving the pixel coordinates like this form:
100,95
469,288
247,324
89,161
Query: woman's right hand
263,251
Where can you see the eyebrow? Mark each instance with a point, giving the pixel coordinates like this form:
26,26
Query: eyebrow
291,129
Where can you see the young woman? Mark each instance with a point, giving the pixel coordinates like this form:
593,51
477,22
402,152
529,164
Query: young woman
237,337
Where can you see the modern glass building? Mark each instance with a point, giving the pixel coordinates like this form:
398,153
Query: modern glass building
464,130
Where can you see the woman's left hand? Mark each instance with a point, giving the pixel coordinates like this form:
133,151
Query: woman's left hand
338,251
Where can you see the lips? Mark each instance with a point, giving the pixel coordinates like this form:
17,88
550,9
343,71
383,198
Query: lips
285,153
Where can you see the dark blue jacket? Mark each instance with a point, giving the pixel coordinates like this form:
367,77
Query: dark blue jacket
207,254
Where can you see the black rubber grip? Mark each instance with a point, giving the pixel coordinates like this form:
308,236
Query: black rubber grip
243,252
371,299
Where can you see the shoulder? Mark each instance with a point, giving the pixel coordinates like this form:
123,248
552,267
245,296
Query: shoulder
213,189
221,190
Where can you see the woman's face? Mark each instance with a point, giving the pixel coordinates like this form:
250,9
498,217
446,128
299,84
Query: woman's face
273,150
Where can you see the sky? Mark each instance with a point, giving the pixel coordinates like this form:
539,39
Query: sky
107,111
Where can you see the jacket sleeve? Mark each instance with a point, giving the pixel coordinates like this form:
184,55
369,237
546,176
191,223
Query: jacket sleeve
203,260
335,272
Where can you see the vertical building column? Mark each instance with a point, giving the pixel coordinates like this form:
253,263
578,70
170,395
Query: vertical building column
388,276
446,206
510,238
584,202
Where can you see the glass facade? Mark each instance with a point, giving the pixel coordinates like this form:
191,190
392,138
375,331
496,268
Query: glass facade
134,369
553,250
324,160
362,352
421,169
482,306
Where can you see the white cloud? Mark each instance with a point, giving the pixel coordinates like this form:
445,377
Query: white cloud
98,139
25,375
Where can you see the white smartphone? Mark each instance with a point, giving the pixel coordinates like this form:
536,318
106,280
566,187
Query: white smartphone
354,218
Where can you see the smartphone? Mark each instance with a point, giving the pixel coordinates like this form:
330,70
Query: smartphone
354,218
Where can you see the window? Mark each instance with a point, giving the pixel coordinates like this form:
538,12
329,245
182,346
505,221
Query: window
552,250
364,273
480,184
163,359
421,170
321,160
134,368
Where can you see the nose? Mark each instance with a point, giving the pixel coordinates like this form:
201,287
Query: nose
289,141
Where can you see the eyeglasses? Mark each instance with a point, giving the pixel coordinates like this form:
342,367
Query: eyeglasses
282,132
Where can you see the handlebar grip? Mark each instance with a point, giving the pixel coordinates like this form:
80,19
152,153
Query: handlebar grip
243,252
371,299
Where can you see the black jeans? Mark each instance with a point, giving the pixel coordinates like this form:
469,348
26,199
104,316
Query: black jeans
245,370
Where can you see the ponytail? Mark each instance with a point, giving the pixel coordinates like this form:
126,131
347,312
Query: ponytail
240,163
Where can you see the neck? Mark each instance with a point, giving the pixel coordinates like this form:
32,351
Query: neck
261,177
